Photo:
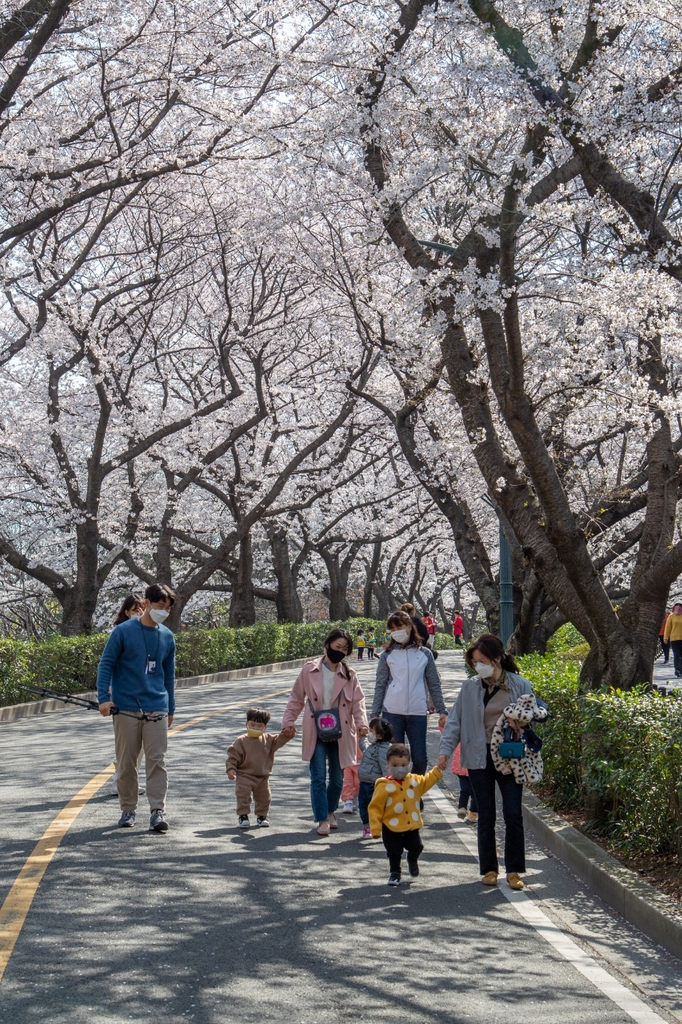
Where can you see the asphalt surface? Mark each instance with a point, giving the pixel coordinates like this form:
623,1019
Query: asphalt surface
212,924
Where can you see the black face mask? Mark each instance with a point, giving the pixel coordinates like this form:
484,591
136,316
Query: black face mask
335,656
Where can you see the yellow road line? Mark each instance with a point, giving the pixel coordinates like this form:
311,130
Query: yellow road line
20,897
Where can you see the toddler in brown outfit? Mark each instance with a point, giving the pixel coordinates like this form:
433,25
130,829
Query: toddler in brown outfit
249,764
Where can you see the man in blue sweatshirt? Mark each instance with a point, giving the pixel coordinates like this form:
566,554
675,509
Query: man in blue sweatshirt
136,674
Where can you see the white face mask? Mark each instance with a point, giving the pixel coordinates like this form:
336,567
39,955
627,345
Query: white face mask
158,614
484,671
400,636
371,737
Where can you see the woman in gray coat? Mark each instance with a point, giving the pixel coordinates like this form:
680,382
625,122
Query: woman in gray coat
479,704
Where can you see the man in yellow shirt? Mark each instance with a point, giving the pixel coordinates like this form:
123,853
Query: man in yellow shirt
673,633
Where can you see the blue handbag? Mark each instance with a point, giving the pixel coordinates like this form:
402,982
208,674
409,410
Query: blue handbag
513,744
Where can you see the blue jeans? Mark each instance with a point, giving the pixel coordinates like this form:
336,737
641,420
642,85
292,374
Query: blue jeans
414,727
325,796
483,782
364,796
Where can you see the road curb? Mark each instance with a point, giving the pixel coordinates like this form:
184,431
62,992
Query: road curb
14,712
649,910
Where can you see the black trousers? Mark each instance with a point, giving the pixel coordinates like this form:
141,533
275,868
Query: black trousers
396,842
483,781
677,655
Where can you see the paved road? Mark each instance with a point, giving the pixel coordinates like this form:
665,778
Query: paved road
214,925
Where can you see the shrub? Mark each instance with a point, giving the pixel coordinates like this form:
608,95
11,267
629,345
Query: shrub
624,748
565,638
556,682
632,761
70,663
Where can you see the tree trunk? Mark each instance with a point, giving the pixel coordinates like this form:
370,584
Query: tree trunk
338,572
383,599
243,603
287,601
372,570
80,600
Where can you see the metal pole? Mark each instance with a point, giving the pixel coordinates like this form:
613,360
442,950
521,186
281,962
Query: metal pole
506,590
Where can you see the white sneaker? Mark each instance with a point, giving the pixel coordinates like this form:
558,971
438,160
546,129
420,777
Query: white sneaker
347,807
114,778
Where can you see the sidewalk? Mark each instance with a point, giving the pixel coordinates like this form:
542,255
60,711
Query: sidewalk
664,675
644,906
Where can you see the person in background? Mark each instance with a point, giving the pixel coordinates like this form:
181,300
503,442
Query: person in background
420,627
665,644
458,629
328,682
431,628
360,643
371,644
133,606
136,674
673,634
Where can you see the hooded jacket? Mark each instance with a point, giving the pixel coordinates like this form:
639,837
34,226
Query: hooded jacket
403,673
396,804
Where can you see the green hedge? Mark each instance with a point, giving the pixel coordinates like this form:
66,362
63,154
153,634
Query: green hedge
625,748
70,663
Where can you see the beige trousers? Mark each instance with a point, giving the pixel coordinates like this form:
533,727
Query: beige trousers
259,785
133,735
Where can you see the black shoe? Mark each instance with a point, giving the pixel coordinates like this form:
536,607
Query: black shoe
394,878
157,822
244,821
262,822
127,819
413,867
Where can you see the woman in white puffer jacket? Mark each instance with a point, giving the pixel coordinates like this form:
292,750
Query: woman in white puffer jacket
406,668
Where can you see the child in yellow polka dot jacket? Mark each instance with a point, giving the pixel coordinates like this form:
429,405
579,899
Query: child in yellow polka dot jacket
394,810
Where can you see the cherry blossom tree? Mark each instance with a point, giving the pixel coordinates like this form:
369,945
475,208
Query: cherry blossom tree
505,136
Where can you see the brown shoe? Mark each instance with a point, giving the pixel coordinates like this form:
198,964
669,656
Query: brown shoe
323,828
333,823
490,878
515,881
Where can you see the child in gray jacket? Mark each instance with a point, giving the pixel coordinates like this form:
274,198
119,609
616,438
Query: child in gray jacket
372,767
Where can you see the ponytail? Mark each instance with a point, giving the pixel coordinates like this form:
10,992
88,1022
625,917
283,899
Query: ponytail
492,648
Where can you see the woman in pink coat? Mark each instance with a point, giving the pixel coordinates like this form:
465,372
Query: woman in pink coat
328,682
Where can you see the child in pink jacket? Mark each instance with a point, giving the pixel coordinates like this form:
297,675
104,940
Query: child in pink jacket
351,784
468,807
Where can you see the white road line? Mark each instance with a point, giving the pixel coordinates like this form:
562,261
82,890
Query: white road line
552,933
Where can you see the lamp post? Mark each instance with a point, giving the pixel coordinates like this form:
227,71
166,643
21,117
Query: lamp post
506,590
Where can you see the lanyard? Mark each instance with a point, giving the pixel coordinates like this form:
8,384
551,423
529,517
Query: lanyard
151,659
